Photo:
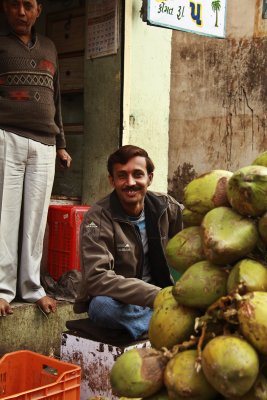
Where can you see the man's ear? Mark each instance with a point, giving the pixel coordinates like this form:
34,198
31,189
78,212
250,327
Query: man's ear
150,177
39,10
111,180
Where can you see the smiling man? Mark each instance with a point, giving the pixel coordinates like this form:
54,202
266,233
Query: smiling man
123,238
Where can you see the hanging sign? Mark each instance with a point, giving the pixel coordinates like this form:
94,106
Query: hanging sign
204,17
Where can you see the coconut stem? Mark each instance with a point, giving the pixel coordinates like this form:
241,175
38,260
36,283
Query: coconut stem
180,347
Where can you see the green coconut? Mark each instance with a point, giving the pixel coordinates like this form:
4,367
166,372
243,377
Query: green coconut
184,382
227,236
252,316
247,190
261,159
251,274
191,218
207,191
171,324
201,285
185,248
138,373
257,392
163,296
230,364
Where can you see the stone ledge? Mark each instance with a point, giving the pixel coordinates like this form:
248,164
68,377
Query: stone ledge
29,329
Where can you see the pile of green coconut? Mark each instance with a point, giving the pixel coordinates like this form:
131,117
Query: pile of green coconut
208,332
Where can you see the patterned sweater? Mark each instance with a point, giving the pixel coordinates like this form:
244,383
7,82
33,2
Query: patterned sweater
29,89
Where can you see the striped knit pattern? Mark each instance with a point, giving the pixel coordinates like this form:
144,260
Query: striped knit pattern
29,90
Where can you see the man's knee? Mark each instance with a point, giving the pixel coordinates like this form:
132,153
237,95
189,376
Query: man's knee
101,307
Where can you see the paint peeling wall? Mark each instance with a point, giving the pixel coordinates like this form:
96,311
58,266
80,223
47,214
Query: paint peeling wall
218,97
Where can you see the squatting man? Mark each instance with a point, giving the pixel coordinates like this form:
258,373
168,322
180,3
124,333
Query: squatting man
123,237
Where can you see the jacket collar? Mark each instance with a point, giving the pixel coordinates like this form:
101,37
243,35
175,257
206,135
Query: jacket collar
154,203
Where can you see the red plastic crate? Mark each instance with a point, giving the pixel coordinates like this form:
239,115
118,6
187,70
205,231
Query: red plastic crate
25,375
63,242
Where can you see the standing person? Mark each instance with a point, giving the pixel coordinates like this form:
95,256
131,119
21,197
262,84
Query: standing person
123,238
31,134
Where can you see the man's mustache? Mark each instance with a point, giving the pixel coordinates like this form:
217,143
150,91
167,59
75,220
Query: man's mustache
133,188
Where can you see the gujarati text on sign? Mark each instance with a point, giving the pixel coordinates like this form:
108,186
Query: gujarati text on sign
204,17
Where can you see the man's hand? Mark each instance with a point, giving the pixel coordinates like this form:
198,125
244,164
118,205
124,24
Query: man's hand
64,158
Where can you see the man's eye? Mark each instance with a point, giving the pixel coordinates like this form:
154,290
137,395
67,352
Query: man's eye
28,6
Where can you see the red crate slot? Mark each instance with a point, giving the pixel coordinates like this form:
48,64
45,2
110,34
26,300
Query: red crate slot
26,375
63,239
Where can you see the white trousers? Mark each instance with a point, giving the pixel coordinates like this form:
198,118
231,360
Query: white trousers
27,171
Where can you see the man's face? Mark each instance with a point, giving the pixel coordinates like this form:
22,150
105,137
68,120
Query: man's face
131,181
21,15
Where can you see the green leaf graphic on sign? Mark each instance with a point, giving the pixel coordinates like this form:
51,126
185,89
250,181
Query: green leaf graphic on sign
216,6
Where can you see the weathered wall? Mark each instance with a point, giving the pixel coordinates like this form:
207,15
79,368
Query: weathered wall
218,97
146,99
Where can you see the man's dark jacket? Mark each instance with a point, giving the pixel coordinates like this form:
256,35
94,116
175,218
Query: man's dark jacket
112,252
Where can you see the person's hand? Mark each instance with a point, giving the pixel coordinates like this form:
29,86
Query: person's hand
64,158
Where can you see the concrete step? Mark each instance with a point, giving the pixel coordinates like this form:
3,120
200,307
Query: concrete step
30,329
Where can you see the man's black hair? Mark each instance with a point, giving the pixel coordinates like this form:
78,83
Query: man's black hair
125,153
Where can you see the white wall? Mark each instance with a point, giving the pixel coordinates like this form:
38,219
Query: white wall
147,89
